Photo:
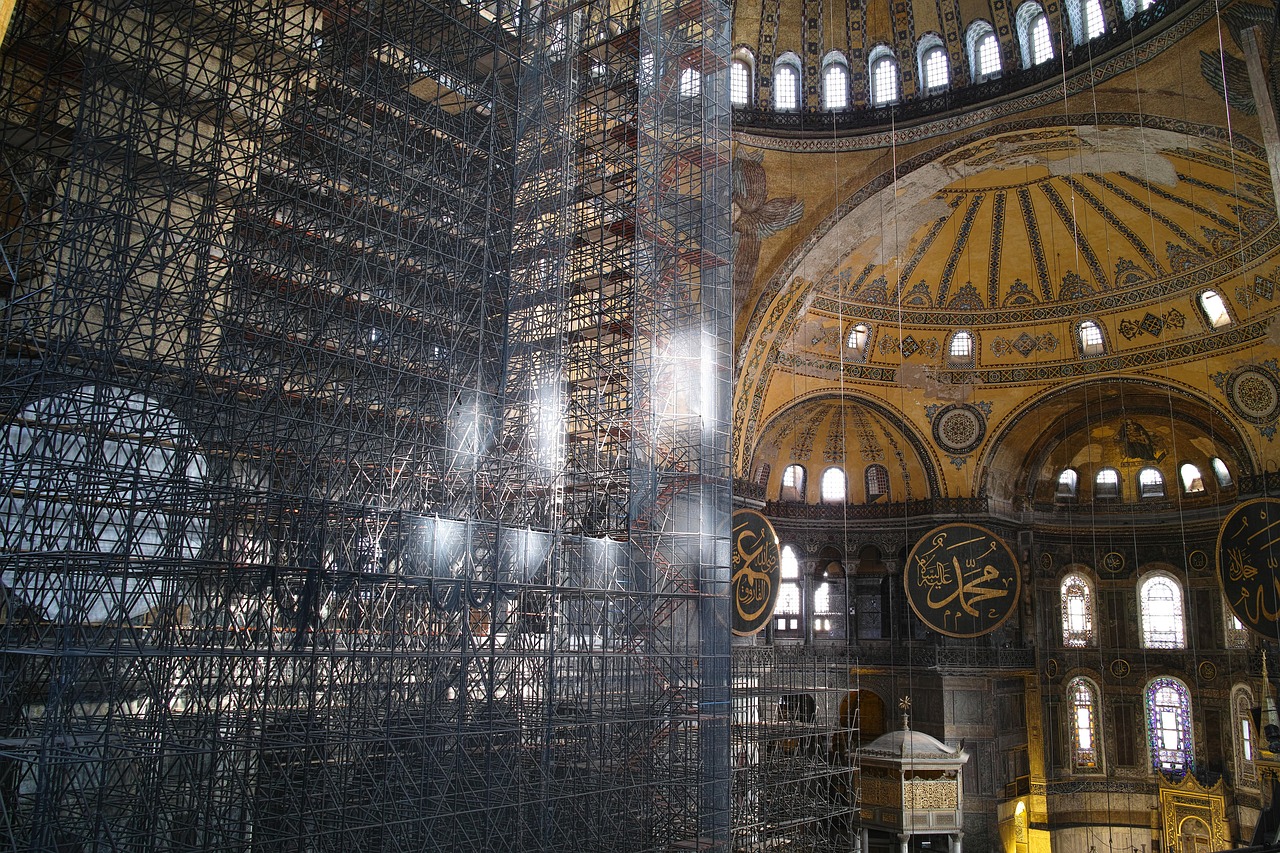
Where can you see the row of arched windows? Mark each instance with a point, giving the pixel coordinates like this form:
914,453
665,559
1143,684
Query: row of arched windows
1149,481
1035,42
834,486
1161,616
1169,727
961,344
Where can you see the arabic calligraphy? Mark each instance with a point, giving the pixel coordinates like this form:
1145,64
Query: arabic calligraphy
1249,563
755,561
962,580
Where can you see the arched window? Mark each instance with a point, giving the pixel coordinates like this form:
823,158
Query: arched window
960,350
822,608
1086,19
690,83
1160,612
1034,37
1106,484
1236,634
741,78
877,482
1241,709
935,70
1192,482
835,81
884,76
1077,611
858,337
786,83
984,51
835,487
1091,341
1220,473
786,613
1215,309
1083,697
1068,481
1169,726
793,483
1150,483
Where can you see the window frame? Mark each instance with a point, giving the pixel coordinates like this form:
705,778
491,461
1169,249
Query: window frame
879,470
690,83
1073,491
1221,472
1214,319
785,620
1114,481
789,63
1150,487
882,56
825,492
1243,737
798,488
968,341
1090,348
1152,635
1086,635
931,44
832,62
1183,726
742,58
1026,20
1187,487
975,36
1084,759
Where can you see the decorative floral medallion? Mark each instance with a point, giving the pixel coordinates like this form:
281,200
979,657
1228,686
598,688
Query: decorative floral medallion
959,428
1254,394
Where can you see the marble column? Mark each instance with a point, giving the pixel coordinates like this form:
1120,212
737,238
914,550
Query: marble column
956,843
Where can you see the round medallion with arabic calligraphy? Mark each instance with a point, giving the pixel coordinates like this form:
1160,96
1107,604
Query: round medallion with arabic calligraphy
1249,563
756,564
962,580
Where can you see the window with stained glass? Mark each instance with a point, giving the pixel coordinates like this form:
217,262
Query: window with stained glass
1077,611
1169,726
1084,716
1160,601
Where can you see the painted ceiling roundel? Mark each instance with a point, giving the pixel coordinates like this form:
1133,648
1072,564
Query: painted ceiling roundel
1036,224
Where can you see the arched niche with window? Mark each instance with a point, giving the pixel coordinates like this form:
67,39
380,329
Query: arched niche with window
1133,7
786,83
1077,600
742,78
835,81
1106,484
1243,736
1090,339
1234,634
877,483
1221,473
1213,308
983,50
793,483
961,349
1035,39
1168,704
835,486
1085,19
933,64
1068,485
1160,611
1082,705
786,612
1150,483
858,341
1191,479
882,72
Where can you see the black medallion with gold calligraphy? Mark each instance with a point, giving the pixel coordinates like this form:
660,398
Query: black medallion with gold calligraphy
962,580
755,562
1248,556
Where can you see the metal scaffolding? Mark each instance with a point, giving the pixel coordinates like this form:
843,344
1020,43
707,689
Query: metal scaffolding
364,480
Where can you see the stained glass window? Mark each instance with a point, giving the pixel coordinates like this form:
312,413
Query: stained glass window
1084,715
1169,726
1160,599
1077,611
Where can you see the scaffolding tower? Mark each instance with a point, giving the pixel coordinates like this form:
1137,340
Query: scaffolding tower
364,481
